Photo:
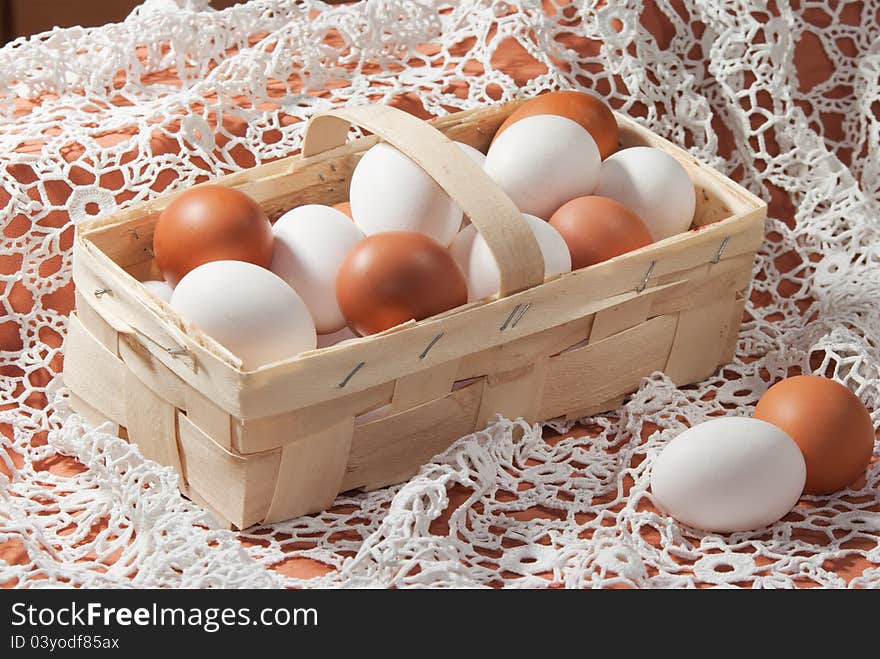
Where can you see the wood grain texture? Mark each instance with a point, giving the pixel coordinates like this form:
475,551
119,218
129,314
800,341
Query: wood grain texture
703,285
105,333
90,415
618,318
254,435
93,373
392,449
151,422
514,393
425,386
523,351
209,417
728,350
143,363
594,408
311,472
590,376
240,488
700,338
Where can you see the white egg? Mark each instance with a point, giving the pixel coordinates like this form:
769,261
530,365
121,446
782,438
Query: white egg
729,474
327,340
654,185
161,289
311,242
390,192
247,309
543,161
475,154
470,251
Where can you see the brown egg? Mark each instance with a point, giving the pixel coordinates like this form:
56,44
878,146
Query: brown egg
828,422
597,229
345,207
210,223
390,278
587,110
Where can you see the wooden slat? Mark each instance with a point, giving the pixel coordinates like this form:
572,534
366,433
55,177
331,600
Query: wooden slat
514,394
425,386
592,409
728,350
93,373
618,318
239,488
311,472
392,449
151,423
254,435
704,285
145,270
523,351
90,415
105,333
210,418
592,375
151,371
699,342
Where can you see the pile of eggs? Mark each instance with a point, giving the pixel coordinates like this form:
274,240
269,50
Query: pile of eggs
400,249
808,435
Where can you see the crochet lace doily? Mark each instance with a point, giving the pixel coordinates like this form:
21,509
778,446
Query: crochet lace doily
785,99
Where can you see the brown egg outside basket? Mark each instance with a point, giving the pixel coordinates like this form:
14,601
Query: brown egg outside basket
282,441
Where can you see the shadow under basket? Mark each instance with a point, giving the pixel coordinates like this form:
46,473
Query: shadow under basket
285,439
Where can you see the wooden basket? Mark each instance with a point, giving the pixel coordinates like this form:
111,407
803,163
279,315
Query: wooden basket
285,439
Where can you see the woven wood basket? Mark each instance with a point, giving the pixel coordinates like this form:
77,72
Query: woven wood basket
285,439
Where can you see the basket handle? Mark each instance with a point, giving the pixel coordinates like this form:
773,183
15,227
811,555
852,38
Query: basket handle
492,212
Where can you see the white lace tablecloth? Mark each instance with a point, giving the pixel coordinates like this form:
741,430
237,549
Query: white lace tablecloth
783,99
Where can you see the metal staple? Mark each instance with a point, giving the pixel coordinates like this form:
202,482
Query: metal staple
641,287
350,375
520,315
509,318
720,250
431,345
